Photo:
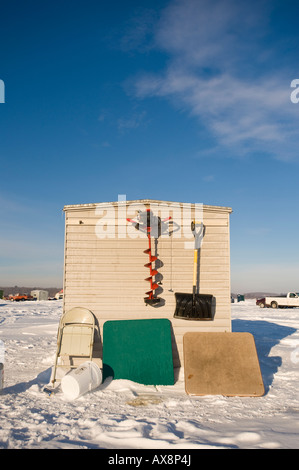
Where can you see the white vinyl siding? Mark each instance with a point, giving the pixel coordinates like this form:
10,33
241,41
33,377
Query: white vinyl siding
107,275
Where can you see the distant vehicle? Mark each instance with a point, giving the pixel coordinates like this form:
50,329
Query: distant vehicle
59,295
20,297
291,300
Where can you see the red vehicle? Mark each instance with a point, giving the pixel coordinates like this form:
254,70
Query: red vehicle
20,297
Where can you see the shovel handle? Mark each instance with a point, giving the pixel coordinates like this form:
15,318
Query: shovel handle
195,270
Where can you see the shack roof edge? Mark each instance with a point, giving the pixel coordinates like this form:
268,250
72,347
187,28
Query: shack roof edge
141,202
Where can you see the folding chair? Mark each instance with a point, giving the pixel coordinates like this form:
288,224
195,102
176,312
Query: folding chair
75,339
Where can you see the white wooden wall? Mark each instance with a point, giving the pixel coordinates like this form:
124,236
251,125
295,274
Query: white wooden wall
106,275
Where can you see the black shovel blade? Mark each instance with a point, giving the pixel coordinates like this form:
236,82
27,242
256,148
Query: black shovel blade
199,308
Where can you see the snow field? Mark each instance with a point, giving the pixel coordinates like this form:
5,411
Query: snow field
121,414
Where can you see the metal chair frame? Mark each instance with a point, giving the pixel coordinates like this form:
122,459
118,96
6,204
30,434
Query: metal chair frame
75,339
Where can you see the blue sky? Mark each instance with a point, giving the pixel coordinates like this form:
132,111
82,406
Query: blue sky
185,100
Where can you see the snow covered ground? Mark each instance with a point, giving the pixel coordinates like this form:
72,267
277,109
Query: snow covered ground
125,415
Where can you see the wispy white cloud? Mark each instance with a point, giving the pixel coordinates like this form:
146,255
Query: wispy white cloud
208,178
133,121
139,30
202,32
217,72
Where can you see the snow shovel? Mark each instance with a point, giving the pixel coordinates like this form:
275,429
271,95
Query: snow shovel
194,306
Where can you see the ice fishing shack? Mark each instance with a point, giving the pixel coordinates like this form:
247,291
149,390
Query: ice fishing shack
129,260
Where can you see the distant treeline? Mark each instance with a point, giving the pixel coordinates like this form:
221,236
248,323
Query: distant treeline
53,290
256,295
26,290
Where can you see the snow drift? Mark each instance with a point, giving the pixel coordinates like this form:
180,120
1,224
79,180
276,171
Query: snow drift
121,414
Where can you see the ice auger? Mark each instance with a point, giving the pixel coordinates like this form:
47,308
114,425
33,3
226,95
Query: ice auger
152,226
150,299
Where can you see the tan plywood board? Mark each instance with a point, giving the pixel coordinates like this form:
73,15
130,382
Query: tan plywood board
221,364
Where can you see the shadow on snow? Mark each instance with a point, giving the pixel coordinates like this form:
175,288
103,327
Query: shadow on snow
266,335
